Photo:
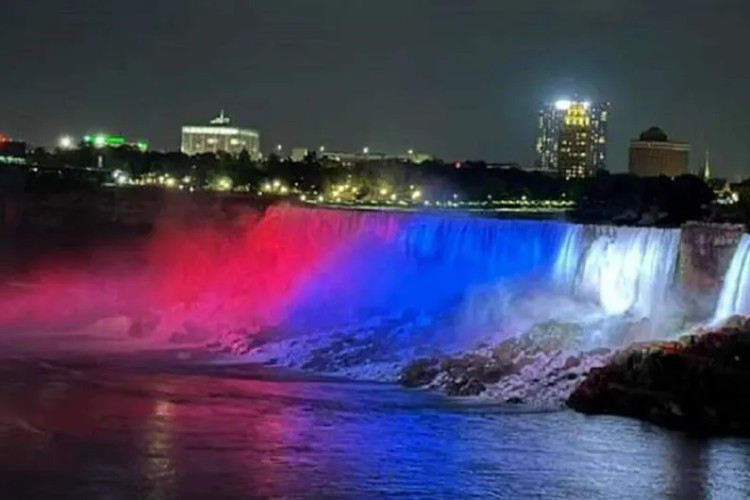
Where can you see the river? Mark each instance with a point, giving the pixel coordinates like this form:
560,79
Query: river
147,427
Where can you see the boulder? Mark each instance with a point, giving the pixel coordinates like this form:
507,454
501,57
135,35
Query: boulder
699,383
464,387
420,373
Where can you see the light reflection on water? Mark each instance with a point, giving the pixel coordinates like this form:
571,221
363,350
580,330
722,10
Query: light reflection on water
133,433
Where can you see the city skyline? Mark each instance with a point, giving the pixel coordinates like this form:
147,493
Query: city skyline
444,79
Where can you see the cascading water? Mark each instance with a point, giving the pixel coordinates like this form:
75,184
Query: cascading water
393,263
318,270
315,269
735,293
569,259
629,270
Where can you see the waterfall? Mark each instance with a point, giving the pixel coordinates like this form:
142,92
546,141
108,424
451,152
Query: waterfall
735,293
630,270
621,269
569,259
396,262
311,268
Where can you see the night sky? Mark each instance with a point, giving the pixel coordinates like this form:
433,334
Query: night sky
461,79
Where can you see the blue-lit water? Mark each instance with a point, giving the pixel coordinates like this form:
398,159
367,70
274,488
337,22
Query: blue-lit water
442,267
421,263
181,432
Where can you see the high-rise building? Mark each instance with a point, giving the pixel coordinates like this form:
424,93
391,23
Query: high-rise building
572,138
219,136
653,154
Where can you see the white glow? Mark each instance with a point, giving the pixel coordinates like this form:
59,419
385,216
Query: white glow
366,150
66,142
224,184
563,104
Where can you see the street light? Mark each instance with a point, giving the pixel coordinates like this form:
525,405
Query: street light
366,150
66,142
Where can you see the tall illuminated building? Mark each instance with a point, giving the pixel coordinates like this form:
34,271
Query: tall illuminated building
572,139
220,136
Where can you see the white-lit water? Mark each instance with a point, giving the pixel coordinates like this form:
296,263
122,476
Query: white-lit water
735,293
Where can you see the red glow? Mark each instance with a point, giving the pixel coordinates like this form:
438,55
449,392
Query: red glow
243,273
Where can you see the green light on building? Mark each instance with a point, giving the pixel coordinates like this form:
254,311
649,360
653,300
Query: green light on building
113,141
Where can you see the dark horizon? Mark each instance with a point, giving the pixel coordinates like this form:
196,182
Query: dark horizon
460,81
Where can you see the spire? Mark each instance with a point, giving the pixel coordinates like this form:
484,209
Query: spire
221,119
707,166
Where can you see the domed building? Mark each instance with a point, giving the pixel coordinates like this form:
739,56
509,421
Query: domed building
653,154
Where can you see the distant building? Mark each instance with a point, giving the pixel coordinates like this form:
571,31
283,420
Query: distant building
12,152
349,159
219,136
653,154
299,154
572,140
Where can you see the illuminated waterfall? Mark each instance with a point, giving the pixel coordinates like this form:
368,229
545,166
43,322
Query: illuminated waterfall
630,270
621,269
388,263
569,258
322,269
735,294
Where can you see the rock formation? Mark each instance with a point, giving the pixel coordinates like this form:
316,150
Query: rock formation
698,383
539,368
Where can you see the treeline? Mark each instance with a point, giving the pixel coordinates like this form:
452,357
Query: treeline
610,198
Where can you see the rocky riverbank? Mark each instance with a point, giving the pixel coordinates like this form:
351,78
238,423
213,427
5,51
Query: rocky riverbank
539,368
698,383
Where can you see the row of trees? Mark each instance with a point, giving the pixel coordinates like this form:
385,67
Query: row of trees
605,197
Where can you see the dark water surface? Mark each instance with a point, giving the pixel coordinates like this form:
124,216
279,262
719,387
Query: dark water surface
149,430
